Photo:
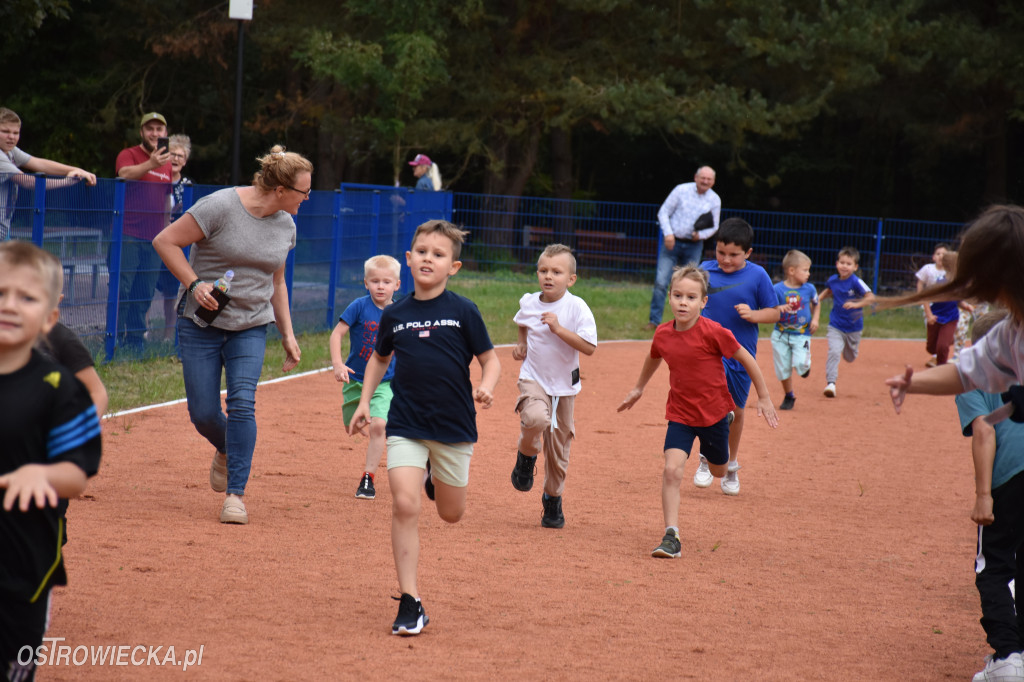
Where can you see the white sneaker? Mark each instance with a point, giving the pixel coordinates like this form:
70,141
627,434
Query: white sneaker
731,482
830,391
1009,668
702,478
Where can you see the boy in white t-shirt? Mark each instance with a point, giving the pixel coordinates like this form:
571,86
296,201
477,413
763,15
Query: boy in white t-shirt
554,327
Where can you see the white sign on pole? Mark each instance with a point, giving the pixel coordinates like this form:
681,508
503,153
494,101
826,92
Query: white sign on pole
240,9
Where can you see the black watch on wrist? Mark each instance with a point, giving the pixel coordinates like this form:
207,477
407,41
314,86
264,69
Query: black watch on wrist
192,287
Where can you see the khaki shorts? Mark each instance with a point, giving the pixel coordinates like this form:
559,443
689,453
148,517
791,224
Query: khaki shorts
449,462
380,401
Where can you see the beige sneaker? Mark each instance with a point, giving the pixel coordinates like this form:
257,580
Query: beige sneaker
233,511
219,472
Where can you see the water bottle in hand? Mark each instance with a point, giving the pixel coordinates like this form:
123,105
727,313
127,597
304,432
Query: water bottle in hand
224,283
204,316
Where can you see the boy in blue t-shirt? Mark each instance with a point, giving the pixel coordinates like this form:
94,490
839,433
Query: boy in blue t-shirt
360,321
740,297
791,338
846,321
998,453
435,334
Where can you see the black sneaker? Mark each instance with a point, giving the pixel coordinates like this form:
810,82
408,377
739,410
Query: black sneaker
411,618
366,491
553,517
428,483
522,474
787,403
670,547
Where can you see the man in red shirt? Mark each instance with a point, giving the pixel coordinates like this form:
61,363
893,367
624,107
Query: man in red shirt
148,170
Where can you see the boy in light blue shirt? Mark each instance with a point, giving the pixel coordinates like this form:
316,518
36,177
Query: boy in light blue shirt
791,338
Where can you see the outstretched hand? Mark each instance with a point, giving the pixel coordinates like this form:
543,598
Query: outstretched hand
898,386
29,487
766,409
630,400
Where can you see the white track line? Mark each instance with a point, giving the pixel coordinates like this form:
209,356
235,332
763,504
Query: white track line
145,408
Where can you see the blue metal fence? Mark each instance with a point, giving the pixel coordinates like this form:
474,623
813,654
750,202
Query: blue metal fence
339,230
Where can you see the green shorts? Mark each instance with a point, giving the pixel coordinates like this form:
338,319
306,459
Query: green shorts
380,401
449,462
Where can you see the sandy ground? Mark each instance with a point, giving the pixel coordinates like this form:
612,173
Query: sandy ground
848,554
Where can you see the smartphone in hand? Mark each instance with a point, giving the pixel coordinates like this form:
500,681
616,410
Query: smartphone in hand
163,144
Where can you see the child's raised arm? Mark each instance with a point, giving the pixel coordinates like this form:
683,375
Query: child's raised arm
765,408
867,299
983,451
941,380
570,337
769,315
646,372
490,368
341,370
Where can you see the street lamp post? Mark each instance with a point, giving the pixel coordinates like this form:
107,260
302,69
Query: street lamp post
242,11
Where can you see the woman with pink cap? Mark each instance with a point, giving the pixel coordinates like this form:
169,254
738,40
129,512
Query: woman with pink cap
427,173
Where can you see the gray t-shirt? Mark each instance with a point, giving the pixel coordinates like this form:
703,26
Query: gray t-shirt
255,248
9,164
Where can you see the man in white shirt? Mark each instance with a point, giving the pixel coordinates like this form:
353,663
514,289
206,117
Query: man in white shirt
684,236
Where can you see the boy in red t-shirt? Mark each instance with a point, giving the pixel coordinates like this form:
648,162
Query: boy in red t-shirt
699,403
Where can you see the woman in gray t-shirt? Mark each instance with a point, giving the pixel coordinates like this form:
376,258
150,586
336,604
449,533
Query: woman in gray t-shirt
249,230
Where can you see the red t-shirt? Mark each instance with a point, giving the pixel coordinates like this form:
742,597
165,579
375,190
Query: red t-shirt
145,205
698,394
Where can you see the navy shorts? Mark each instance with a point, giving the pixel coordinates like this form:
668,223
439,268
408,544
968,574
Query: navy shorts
714,439
738,380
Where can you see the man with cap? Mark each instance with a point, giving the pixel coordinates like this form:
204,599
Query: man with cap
148,170
427,172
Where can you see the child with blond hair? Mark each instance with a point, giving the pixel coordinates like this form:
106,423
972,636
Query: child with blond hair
791,338
360,321
554,328
51,446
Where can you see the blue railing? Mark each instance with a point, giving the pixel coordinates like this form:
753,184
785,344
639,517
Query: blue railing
339,230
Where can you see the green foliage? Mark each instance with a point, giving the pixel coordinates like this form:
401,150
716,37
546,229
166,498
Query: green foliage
815,101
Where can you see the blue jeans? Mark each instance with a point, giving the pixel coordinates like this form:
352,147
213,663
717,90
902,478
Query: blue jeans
205,352
140,267
683,253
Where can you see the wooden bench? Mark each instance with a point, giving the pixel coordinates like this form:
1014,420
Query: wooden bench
599,246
